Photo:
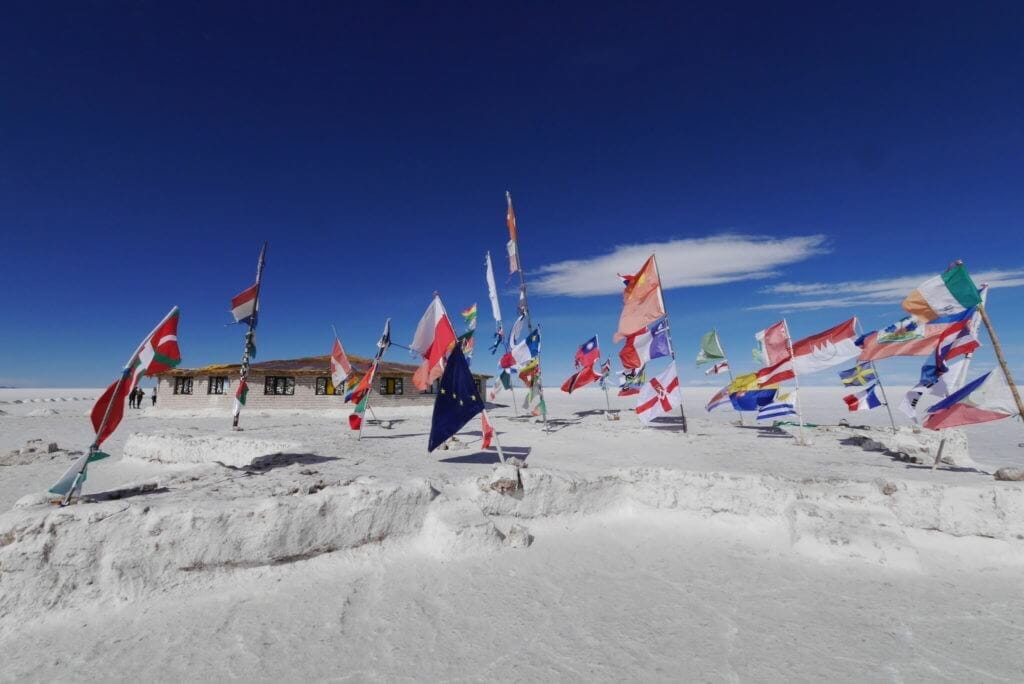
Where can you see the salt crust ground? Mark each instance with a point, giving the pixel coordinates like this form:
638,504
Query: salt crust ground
730,553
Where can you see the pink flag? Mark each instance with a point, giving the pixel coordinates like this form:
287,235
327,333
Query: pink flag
642,302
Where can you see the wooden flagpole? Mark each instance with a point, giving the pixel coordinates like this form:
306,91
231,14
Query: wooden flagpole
244,372
796,381
526,309
671,345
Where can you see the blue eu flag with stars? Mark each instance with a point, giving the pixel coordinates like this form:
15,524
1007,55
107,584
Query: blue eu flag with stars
457,402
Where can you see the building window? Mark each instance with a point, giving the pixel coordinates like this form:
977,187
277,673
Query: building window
326,386
216,385
390,386
183,385
278,385
433,388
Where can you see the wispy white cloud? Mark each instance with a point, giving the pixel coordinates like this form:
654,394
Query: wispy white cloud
853,293
682,263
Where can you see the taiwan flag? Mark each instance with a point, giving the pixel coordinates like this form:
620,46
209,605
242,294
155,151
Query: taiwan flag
588,353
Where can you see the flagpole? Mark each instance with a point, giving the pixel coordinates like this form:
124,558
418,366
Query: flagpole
497,442
732,379
671,346
796,381
244,372
125,372
878,379
526,310
369,390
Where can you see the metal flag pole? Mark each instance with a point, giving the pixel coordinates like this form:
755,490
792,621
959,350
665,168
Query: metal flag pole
244,372
382,346
125,373
671,346
514,237
796,381
731,377
878,381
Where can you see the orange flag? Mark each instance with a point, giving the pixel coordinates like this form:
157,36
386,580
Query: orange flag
642,303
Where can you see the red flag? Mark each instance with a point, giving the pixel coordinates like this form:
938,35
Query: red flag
580,379
487,429
641,301
434,338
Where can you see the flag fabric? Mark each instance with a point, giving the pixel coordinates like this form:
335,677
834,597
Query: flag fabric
632,380
363,387
341,369
660,395
457,401
467,343
907,337
606,370
241,394
721,367
486,431
781,406
941,386
752,400
710,348
243,305
772,344
529,370
510,220
858,376
499,338
434,338
581,378
957,340
503,381
642,301
949,293
534,402
588,353
645,344
742,383
984,399
492,291
513,257
517,330
814,353
385,339
521,353
720,399
864,400
355,419
469,316
71,475
158,353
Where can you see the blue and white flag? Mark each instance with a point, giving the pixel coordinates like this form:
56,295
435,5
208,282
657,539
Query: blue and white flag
782,406
864,400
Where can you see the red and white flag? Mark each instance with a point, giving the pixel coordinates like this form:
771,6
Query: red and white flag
340,367
720,367
773,343
660,395
158,353
642,302
435,336
243,305
811,354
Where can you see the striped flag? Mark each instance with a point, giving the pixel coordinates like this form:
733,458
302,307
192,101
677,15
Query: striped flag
717,368
943,295
241,394
721,398
782,406
243,305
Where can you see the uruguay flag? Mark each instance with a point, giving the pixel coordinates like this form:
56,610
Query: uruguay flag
864,400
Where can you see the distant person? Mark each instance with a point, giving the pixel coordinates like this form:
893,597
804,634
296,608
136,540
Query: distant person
142,395
131,399
153,396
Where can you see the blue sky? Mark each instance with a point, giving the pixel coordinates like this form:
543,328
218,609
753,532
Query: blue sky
809,161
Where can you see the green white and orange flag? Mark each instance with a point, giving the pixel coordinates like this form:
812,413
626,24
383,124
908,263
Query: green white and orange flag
943,295
355,419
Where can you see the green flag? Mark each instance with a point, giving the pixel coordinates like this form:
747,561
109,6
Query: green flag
710,348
